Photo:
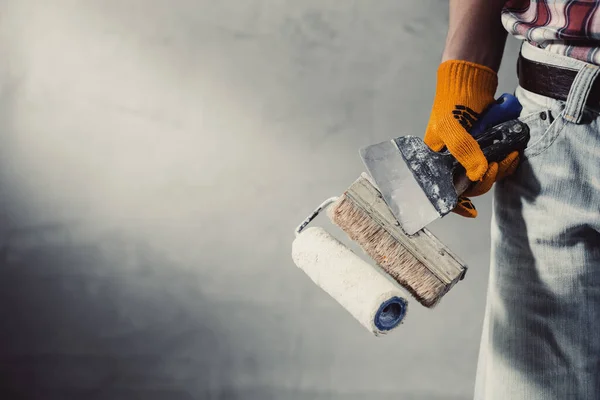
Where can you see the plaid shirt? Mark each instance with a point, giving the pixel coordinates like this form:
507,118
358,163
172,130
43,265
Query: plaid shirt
566,27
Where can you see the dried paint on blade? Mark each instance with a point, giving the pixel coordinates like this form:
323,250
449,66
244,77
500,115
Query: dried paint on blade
433,172
411,179
399,188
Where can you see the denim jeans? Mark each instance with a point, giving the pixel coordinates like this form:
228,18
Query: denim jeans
541,332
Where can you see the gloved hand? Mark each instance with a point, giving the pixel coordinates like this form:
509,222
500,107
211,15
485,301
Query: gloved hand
464,90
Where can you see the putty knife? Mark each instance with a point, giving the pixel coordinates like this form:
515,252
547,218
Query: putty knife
420,185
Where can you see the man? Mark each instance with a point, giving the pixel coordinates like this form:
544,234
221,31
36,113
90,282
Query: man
541,334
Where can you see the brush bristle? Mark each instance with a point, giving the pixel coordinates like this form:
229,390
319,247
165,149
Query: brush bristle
387,252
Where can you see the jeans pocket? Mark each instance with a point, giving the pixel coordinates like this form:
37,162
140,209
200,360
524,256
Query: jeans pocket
543,116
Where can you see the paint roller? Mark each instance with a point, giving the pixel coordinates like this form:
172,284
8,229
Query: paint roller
371,297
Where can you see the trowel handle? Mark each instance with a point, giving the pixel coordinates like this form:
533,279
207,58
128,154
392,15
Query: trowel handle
497,143
505,108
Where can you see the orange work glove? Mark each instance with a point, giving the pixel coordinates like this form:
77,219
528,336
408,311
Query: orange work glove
464,90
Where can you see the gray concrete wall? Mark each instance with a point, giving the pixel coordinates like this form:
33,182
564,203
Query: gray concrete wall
155,157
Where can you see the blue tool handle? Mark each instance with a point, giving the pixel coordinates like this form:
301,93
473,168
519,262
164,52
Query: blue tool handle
505,108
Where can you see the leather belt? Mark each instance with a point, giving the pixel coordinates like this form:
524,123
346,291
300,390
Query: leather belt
552,81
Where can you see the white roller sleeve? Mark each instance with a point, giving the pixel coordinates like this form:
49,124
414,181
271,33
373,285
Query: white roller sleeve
354,283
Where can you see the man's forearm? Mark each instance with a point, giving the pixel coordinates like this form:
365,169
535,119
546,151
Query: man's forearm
475,32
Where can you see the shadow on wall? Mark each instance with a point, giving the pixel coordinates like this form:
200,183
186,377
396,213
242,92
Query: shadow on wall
93,313
99,316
